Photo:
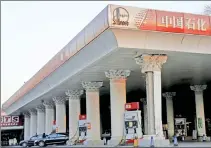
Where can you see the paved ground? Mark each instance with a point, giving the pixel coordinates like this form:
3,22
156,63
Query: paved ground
194,144
181,144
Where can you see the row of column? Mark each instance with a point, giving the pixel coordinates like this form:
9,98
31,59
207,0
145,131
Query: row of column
150,65
39,120
198,89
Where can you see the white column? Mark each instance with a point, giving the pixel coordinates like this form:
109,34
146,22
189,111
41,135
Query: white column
145,115
150,104
74,112
158,103
170,112
198,89
40,119
118,100
49,116
93,109
26,125
60,113
151,65
33,122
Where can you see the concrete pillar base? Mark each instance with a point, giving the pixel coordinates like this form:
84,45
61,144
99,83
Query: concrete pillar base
157,141
93,143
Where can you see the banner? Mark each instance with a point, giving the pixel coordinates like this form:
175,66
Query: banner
10,121
157,20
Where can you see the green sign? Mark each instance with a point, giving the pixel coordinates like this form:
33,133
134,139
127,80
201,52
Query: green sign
200,122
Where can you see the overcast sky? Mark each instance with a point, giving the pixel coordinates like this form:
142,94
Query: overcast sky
33,32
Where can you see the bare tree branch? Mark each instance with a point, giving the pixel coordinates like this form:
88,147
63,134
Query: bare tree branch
207,10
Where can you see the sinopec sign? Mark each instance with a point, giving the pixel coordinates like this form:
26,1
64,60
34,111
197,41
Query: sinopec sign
120,17
10,121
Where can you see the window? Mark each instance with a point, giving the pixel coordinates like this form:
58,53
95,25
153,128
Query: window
61,135
39,136
53,136
33,138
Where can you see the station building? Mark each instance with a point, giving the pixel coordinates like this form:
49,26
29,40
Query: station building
12,130
125,54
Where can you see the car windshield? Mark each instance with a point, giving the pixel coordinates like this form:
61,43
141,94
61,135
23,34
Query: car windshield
33,138
40,136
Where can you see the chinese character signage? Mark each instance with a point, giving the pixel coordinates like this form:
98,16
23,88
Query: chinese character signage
164,21
177,23
10,121
169,22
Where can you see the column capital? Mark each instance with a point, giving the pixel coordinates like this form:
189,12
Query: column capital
40,108
92,86
151,62
48,104
144,101
169,95
59,100
117,74
74,94
198,88
26,114
32,111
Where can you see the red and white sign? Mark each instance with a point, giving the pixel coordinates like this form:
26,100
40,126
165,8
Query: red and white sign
132,106
82,117
175,22
10,121
163,21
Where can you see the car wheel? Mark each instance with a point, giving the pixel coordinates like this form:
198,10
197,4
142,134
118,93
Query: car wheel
24,144
41,144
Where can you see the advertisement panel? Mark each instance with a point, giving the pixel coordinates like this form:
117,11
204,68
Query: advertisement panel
197,24
156,20
169,22
10,121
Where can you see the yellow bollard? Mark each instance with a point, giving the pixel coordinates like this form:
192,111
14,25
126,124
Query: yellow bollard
135,143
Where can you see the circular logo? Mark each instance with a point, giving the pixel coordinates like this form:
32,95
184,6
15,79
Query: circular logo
120,16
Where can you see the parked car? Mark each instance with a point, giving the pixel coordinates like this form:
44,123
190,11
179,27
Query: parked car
31,141
51,139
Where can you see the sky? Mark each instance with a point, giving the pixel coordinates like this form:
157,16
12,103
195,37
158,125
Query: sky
33,32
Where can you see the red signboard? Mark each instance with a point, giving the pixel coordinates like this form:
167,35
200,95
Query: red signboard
174,22
132,106
146,20
197,24
10,121
169,21
82,117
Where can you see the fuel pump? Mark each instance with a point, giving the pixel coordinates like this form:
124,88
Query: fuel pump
132,121
82,127
181,128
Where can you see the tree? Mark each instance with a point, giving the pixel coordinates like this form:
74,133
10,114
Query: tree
207,9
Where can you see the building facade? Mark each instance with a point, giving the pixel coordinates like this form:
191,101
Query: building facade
149,53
